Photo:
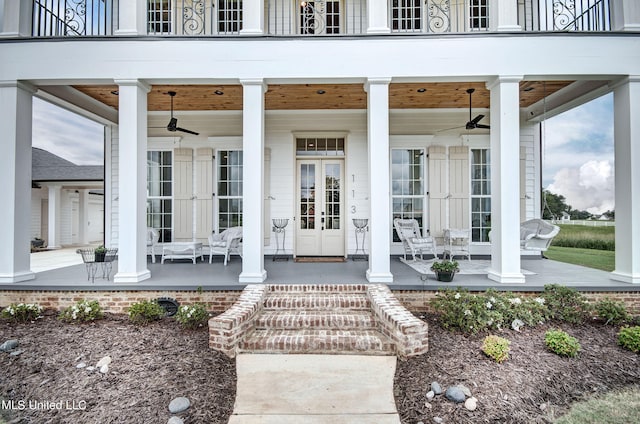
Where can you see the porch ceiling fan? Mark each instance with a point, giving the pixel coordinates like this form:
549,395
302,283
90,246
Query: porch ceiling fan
473,123
173,122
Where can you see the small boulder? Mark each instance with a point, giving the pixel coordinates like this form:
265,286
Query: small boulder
104,369
438,420
175,420
9,345
471,404
179,404
455,394
16,352
81,365
437,389
465,390
104,361
430,395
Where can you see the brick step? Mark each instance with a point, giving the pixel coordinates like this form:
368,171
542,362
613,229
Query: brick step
316,301
318,288
362,342
316,319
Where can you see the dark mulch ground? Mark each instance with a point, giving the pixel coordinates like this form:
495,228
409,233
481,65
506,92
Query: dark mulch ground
153,364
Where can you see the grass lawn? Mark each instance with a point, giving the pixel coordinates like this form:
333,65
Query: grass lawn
591,258
620,407
583,236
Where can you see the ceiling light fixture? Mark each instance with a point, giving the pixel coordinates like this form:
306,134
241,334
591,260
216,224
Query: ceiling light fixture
219,92
320,91
528,89
421,90
115,92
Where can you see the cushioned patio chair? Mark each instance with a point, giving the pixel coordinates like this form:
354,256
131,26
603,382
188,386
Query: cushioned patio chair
152,240
409,233
225,243
536,234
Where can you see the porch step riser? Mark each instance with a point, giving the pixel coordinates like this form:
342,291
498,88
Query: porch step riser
295,319
317,301
316,341
318,288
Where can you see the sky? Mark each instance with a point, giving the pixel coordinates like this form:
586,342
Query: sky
577,151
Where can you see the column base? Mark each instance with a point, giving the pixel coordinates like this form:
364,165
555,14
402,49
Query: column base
251,32
625,277
506,278
379,277
381,30
510,28
252,277
17,277
132,277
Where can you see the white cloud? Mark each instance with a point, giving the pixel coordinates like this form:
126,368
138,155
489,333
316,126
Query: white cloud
67,134
589,187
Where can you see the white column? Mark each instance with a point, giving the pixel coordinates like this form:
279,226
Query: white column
15,175
505,181
252,181
625,16
378,14
626,129
503,15
16,18
83,216
132,17
132,187
252,17
380,221
55,202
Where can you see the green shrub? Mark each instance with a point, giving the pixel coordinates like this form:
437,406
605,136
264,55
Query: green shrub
531,312
629,338
561,343
466,312
613,312
145,311
193,316
22,312
84,310
565,303
496,348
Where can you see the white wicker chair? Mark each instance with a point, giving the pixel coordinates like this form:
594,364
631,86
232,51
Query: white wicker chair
225,243
409,233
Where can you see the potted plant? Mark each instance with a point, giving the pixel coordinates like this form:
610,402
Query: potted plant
445,270
99,253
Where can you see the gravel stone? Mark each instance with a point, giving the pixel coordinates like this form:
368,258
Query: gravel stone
179,404
437,389
175,420
9,345
455,394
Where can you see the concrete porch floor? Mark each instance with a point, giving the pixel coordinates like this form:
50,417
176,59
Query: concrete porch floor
63,270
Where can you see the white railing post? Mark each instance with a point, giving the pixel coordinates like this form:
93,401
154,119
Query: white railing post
132,17
252,17
378,13
503,15
625,15
16,18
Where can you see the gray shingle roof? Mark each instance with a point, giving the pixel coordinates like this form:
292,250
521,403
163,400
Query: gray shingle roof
45,166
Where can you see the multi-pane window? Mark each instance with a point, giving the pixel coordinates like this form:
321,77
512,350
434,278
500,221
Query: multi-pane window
159,16
159,193
408,185
332,182
480,195
229,189
307,196
229,16
478,14
406,15
320,146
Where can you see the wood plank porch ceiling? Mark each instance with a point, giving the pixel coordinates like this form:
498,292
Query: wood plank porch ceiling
324,96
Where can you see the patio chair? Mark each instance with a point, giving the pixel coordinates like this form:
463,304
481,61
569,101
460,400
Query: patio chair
536,234
409,233
152,240
225,243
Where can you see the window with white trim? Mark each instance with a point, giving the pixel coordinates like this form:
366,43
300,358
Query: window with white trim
160,193
319,17
229,16
229,189
159,16
478,15
408,186
406,15
480,195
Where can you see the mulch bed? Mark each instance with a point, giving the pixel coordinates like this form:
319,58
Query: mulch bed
154,364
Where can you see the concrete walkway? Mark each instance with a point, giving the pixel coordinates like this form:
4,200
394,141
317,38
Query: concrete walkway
315,389
47,260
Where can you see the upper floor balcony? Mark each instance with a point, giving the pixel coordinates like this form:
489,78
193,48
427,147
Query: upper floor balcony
193,18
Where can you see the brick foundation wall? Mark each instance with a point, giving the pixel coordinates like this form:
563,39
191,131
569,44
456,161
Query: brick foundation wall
118,301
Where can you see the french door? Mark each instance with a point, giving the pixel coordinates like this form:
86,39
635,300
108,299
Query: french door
320,213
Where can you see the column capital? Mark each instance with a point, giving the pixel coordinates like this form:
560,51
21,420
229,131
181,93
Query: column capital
23,85
376,81
625,80
503,79
254,81
133,83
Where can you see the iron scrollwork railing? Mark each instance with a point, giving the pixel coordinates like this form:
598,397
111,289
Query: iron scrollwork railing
565,15
64,18
438,16
194,17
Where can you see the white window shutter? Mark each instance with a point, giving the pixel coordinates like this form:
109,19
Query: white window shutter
204,193
183,195
459,180
437,191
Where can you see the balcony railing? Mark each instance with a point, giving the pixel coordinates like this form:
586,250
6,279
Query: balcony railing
60,18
